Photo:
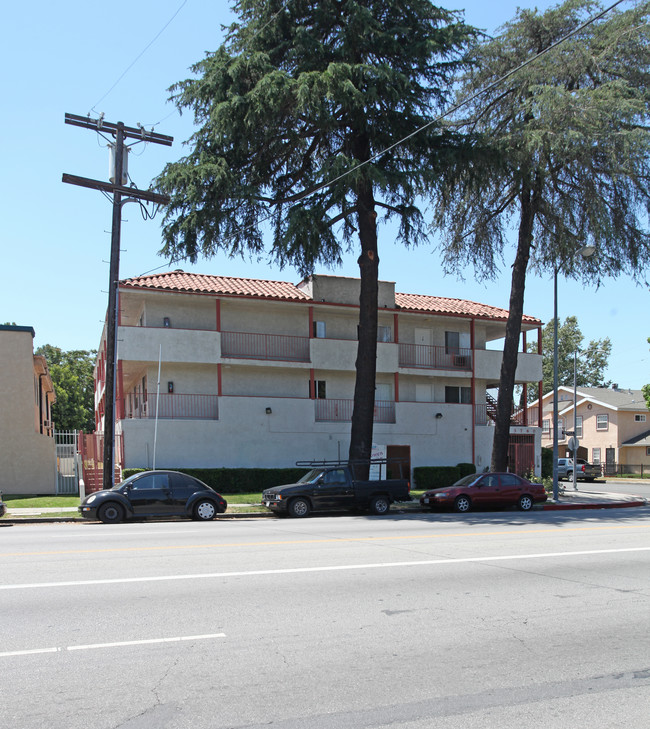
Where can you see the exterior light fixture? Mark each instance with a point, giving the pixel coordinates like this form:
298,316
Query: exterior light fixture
438,416
268,411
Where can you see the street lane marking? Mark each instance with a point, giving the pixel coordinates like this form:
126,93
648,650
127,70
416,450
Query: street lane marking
332,568
328,540
93,646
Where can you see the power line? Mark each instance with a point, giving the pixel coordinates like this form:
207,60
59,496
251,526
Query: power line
138,57
433,121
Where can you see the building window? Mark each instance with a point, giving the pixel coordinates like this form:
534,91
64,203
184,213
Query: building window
319,329
383,334
458,395
579,426
546,427
647,450
602,422
452,342
639,418
595,457
319,389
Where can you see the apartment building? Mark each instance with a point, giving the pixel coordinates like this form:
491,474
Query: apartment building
258,373
612,426
27,456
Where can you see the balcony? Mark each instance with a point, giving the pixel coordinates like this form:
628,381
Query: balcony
337,411
171,406
278,347
434,358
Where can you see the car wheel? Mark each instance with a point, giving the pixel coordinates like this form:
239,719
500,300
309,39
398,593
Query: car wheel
462,504
299,508
110,513
525,503
204,510
569,475
379,505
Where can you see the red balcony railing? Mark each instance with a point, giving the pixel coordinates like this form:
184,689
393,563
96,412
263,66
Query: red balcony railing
434,358
172,406
332,411
264,346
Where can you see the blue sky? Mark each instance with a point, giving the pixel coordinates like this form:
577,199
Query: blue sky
66,57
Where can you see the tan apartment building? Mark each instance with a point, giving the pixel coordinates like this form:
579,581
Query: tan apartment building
258,373
27,450
612,426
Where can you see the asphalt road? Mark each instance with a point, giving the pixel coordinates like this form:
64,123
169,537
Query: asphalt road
496,620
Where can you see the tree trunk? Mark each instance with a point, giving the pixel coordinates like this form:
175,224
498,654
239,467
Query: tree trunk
366,364
529,198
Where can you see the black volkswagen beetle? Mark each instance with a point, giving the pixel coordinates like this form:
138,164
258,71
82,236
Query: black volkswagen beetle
154,493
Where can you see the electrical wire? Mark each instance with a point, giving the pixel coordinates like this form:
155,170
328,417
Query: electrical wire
259,30
138,57
433,121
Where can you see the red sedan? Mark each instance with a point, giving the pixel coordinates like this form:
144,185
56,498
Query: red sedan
486,490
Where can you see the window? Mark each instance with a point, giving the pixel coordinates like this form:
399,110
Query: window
647,450
595,456
602,422
546,427
639,419
154,481
452,342
383,334
579,426
319,329
458,394
319,389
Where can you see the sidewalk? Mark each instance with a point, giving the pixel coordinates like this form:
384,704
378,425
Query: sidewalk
581,499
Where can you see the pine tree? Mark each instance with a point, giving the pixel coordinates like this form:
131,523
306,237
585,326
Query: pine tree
293,111
569,163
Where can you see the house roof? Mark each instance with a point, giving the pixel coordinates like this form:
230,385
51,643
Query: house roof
615,399
182,282
206,284
440,305
626,400
639,440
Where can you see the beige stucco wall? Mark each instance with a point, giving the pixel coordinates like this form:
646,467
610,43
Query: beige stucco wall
341,290
27,458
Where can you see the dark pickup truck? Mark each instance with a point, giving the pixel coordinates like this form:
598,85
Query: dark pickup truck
333,487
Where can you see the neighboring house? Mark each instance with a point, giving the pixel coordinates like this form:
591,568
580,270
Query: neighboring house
261,373
27,451
612,426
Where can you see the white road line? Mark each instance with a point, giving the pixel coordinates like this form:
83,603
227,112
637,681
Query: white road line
334,568
121,644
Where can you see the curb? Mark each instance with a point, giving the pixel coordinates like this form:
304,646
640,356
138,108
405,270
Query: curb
597,505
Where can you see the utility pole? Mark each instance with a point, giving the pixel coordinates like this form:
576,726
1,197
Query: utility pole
121,195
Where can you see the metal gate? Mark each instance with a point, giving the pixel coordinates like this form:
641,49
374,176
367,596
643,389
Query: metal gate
521,454
67,462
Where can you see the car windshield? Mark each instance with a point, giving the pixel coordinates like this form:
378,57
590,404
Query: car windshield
119,486
312,476
467,480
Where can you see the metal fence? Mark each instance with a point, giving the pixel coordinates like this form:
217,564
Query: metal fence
68,462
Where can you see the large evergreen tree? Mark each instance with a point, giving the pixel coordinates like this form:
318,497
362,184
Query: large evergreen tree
571,134
292,112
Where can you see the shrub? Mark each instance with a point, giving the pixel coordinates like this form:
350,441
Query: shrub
466,469
236,480
435,477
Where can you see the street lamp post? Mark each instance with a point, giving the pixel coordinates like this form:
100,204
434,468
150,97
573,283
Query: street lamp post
585,252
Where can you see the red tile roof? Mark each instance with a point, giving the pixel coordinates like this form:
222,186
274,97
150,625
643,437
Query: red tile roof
282,290
440,305
206,284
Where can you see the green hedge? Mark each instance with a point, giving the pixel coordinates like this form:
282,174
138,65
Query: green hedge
237,480
435,477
